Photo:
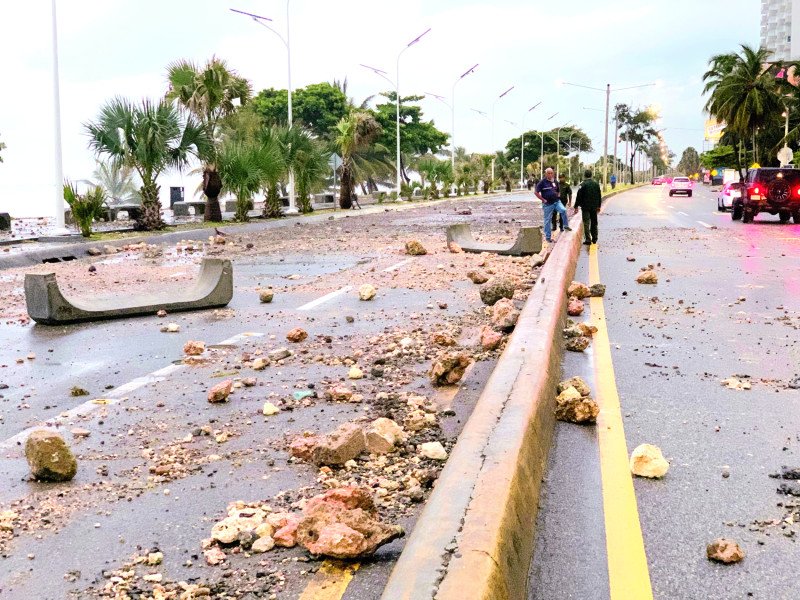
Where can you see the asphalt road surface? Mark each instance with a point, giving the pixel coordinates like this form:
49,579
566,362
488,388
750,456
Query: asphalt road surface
726,304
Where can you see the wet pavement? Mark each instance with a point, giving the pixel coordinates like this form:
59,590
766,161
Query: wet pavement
726,304
160,464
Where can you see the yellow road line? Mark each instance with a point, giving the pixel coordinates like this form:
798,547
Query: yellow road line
330,582
628,574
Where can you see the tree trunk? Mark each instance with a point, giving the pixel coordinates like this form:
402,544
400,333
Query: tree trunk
272,204
150,217
212,186
346,188
508,185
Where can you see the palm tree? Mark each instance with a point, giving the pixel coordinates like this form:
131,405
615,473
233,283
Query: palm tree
117,181
744,92
149,137
210,93
311,160
355,134
244,167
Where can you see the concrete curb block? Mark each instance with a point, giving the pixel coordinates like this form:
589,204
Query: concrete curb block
474,539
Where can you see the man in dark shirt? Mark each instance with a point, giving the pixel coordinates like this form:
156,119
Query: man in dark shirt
565,195
547,191
588,199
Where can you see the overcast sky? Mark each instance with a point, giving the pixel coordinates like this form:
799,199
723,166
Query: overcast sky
122,47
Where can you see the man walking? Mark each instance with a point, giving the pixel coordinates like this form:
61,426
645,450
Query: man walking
613,181
588,199
547,191
565,195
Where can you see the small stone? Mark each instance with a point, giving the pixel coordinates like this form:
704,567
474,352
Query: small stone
504,315
263,544
80,432
49,457
734,383
725,551
572,407
383,435
433,450
339,393
266,296
279,354
355,373
214,556
631,259
366,292
194,348
442,338
537,260
94,251
417,420
221,391
270,409
161,313
477,276
155,558
297,335
496,289
449,368
575,307
345,443
249,381
454,248
575,382
578,290
110,250
171,328
76,391
577,344
260,364
350,318
648,276
415,248
648,461
597,290
490,339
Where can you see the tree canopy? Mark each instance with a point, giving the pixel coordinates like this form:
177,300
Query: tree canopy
416,135
318,107
690,161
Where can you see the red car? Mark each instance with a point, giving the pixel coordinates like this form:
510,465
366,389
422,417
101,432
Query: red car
657,181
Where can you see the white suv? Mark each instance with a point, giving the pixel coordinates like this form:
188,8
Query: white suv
680,185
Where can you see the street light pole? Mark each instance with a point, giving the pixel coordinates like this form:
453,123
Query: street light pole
494,104
59,172
453,116
558,146
522,147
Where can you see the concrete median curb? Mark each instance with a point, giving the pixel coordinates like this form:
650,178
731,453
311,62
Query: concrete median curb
474,539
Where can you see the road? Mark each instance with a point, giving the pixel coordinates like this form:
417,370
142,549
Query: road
160,464
726,304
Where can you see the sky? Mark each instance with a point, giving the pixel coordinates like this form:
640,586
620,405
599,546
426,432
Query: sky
113,48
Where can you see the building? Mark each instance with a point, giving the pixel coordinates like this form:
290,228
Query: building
780,28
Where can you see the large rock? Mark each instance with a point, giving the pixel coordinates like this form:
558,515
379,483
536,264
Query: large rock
477,276
504,315
577,344
597,290
490,339
342,523
578,290
575,382
49,457
415,248
575,307
648,461
383,435
345,443
227,531
194,348
725,551
433,450
572,407
495,289
298,334
220,392
448,369
647,276
367,292
339,393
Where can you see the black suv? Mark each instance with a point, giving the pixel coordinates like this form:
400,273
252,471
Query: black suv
772,190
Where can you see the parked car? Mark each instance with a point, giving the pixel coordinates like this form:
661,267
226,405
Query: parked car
772,190
727,194
680,185
657,181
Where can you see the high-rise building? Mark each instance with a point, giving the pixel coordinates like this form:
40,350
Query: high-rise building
780,28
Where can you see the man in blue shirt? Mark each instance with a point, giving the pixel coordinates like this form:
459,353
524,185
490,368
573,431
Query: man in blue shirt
547,191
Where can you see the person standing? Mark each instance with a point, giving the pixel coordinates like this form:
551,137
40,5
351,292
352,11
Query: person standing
565,195
547,191
613,181
588,200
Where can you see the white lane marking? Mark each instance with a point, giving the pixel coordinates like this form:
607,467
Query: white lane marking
706,225
397,266
668,206
111,397
325,298
683,213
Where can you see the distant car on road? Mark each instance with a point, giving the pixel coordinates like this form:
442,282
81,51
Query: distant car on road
772,190
680,185
727,194
657,181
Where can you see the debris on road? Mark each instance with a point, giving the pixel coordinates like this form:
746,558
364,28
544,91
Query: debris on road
366,292
448,369
415,248
433,450
76,391
477,276
575,307
171,328
296,335
725,551
266,296
194,348
647,276
490,339
578,290
574,403
597,290
49,457
269,409
504,315
737,383
495,289
648,461
577,344
220,392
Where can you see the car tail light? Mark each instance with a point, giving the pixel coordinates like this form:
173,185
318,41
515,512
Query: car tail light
756,190
797,192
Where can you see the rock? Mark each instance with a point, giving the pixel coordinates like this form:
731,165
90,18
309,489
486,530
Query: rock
725,551
302,446
339,393
260,364
454,248
433,450
228,530
575,382
49,457
377,371
194,348
575,307
221,391
171,328
449,368
270,409
647,276
734,383
578,290
572,331
577,344
586,329
286,536
496,289
266,296
262,544
214,556
631,259
415,248
647,461
366,292
355,373
8,519
572,407
346,442
504,315
161,313
537,260
279,354
80,432
490,339
249,381
597,290
76,391
383,435
110,250
94,251
477,276
155,558
297,335
442,338
341,523
417,420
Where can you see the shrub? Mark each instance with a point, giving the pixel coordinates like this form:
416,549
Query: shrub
85,207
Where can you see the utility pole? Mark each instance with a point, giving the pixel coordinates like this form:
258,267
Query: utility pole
605,143
59,169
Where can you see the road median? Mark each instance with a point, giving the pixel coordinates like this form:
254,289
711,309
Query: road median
475,536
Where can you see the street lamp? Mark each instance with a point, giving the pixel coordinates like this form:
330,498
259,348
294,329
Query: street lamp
292,210
608,91
396,84
59,172
522,147
494,104
453,116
